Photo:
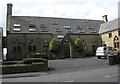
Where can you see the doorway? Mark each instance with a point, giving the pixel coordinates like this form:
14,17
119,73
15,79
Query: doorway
66,49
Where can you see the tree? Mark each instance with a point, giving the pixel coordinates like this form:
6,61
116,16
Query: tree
54,46
79,45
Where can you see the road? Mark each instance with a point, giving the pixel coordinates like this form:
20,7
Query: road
75,70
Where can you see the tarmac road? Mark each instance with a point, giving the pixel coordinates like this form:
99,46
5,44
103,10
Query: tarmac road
75,70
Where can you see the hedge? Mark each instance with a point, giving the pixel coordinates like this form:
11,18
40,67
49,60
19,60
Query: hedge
21,68
11,62
30,60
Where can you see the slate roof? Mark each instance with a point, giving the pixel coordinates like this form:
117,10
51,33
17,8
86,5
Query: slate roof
22,24
109,26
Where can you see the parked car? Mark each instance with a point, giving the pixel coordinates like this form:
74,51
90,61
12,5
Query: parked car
105,51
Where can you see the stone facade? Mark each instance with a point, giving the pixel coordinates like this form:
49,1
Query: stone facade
29,36
110,34
26,45
1,31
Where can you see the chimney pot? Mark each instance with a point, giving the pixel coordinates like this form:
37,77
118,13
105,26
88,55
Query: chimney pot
9,9
105,19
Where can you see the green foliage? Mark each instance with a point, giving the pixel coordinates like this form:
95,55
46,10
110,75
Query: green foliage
54,46
11,62
79,45
21,68
31,60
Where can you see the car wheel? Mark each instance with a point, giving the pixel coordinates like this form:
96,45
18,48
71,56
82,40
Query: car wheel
99,57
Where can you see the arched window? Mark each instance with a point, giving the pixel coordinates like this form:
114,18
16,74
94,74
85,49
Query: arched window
85,44
17,46
116,42
32,46
45,41
45,45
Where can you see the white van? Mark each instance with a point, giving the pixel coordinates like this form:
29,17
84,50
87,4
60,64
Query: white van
104,51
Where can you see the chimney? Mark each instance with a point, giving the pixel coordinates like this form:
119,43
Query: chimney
105,19
9,9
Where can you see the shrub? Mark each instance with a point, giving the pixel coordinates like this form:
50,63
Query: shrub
79,45
30,60
53,45
21,68
11,62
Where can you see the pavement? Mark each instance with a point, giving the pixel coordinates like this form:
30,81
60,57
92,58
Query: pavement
18,75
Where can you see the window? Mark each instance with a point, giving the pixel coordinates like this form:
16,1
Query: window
43,30
69,30
81,31
16,29
119,32
93,31
110,35
67,27
85,21
17,46
17,25
85,45
58,30
32,46
78,27
54,23
43,26
116,42
32,25
45,45
32,30
60,36
90,27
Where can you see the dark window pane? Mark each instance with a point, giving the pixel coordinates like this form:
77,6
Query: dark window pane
19,48
30,48
14,48
34,48
110,35
32,25
117,44
119,32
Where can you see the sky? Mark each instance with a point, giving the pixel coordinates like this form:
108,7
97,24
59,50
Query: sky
78,9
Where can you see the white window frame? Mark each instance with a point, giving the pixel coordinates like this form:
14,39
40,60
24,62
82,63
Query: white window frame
60,36
17,25
16,29
32,30
67,27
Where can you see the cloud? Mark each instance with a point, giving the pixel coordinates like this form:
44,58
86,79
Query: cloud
90,9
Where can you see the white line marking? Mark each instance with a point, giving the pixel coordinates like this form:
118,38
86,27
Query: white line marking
107,76
69,81
112,76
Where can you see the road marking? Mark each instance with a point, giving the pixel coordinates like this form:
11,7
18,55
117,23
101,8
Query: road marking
112,76
107,76
43,73
69,81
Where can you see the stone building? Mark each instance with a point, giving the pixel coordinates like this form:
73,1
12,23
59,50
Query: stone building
1,31
28,36
110,33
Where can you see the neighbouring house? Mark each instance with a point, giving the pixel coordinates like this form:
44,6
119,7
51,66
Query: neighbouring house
110,33
1,34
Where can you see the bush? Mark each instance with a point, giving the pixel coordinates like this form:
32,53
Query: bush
53,46
11,62
21,68
30,60
79,45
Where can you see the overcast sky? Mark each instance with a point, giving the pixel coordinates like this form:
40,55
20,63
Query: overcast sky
80,9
